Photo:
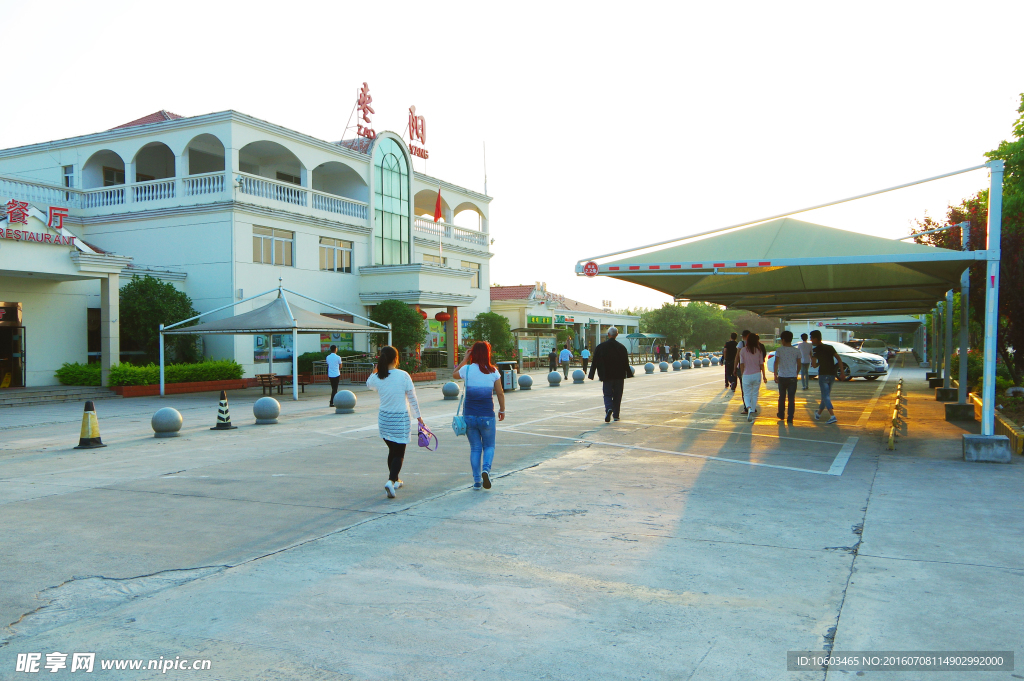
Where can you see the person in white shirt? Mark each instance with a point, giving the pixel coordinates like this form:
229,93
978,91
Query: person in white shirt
482,381
565,356
333,372
397,396
805,349
787,365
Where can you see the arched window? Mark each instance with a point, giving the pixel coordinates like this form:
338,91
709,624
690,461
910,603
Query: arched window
391,210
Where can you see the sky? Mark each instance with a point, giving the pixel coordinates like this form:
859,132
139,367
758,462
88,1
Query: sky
607,125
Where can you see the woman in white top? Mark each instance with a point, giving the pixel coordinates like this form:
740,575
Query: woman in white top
397,395
482,381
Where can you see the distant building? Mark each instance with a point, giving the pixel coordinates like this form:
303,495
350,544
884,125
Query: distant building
536,315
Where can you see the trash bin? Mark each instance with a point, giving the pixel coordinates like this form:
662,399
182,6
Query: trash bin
508,375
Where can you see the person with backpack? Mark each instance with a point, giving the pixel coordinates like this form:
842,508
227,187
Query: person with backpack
397,397
482,380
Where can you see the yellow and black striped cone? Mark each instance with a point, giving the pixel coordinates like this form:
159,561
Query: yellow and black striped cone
90,438
223,414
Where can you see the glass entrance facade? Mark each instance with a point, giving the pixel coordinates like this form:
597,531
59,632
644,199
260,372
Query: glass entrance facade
391,234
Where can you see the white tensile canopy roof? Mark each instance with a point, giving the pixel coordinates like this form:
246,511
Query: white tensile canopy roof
278,316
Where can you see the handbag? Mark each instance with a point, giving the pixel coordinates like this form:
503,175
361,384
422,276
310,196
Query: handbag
424,438
459,422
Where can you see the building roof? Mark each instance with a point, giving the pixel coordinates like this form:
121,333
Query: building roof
155,117
512,292
576,306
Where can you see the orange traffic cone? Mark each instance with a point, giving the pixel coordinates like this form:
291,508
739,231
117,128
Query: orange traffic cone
90,438
223,414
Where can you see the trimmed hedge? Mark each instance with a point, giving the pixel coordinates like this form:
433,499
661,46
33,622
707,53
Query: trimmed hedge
306,359
78,374
219,370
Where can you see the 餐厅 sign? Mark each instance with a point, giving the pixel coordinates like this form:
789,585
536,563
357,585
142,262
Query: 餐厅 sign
539,320
16,212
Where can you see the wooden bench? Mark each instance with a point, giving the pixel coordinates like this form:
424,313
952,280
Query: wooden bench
287,381
267,383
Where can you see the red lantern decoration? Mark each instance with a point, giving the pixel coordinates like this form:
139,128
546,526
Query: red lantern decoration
442,316
423,313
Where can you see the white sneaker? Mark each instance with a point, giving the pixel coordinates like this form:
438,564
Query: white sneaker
750,416
389,489
832,420
817,416
397,484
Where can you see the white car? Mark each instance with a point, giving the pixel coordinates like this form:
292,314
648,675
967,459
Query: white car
875,347
855,364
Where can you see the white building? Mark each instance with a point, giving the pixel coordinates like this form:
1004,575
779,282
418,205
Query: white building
222,205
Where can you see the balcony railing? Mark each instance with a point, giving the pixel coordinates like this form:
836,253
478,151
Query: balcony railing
153,190
198,185
443,229
101,198
271,189
26,190
340,205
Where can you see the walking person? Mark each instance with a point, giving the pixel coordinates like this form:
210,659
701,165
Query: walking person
805,349
564,357
745,336
585,356
751,363
787,366
333,372
397,397
729,355
482,380
552,360
611,362
826,360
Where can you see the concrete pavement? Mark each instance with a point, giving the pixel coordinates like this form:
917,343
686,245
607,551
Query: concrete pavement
680,542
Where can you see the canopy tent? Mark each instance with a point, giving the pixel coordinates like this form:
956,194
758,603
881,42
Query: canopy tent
790,268
276,317
784,267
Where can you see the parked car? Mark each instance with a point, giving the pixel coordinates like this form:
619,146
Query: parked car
855,364
875,347
855,343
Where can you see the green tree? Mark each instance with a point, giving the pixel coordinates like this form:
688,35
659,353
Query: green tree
671,321
708,325
146,303
495,329
974,210
407,329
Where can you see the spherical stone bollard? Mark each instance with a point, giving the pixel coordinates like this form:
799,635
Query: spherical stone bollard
578,377
345,401
714,361
684,364
649,368
677,365
707,362
525,382
554,379
166,423
267,409
663,366
450,390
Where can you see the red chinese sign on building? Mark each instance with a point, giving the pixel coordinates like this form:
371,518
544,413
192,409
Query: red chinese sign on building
363,102
417,131
17,211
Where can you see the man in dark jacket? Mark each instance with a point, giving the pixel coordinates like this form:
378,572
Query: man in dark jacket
552,360
611,361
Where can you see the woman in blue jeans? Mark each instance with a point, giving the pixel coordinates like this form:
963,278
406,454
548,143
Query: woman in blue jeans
482,380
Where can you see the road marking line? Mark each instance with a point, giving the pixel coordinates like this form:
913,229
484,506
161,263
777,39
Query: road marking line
667,451
727,432
839,465
863,420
